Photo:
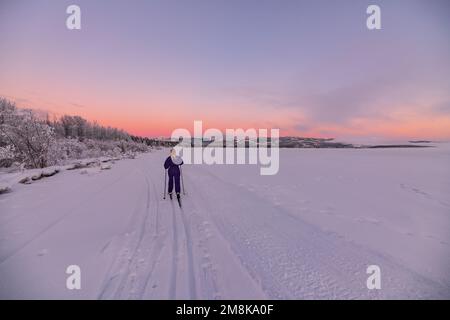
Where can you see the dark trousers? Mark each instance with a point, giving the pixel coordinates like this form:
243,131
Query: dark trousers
175,177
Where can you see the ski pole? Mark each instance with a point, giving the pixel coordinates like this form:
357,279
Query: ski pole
182,181
165,181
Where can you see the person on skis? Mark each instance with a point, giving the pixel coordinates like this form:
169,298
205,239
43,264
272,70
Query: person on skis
172,165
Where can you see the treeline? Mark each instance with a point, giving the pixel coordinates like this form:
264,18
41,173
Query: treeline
34,142
80,128
154,142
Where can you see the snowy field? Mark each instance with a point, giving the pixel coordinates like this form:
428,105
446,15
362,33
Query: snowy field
308,232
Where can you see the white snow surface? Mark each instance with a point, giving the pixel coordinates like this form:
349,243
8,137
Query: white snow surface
309,232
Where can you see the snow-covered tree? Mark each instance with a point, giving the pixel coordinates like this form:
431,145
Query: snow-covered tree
38,142
7,155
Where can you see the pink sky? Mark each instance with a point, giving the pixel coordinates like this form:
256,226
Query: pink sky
156,66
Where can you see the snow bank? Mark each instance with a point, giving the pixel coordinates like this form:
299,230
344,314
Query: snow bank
15,176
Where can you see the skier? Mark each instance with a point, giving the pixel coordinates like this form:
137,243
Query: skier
173,163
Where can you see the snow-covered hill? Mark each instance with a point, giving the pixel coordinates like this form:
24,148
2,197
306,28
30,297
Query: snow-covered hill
308,232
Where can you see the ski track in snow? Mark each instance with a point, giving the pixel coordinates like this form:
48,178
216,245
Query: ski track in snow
320,265
232,244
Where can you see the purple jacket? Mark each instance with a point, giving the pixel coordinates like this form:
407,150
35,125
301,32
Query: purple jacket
174,169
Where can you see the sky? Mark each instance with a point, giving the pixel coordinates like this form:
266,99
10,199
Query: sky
307,67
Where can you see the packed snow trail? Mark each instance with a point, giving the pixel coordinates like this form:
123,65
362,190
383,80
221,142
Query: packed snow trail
226,242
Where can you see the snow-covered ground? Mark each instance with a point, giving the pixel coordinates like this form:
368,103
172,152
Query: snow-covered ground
308,232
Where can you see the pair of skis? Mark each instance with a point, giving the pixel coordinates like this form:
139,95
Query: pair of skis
178,199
